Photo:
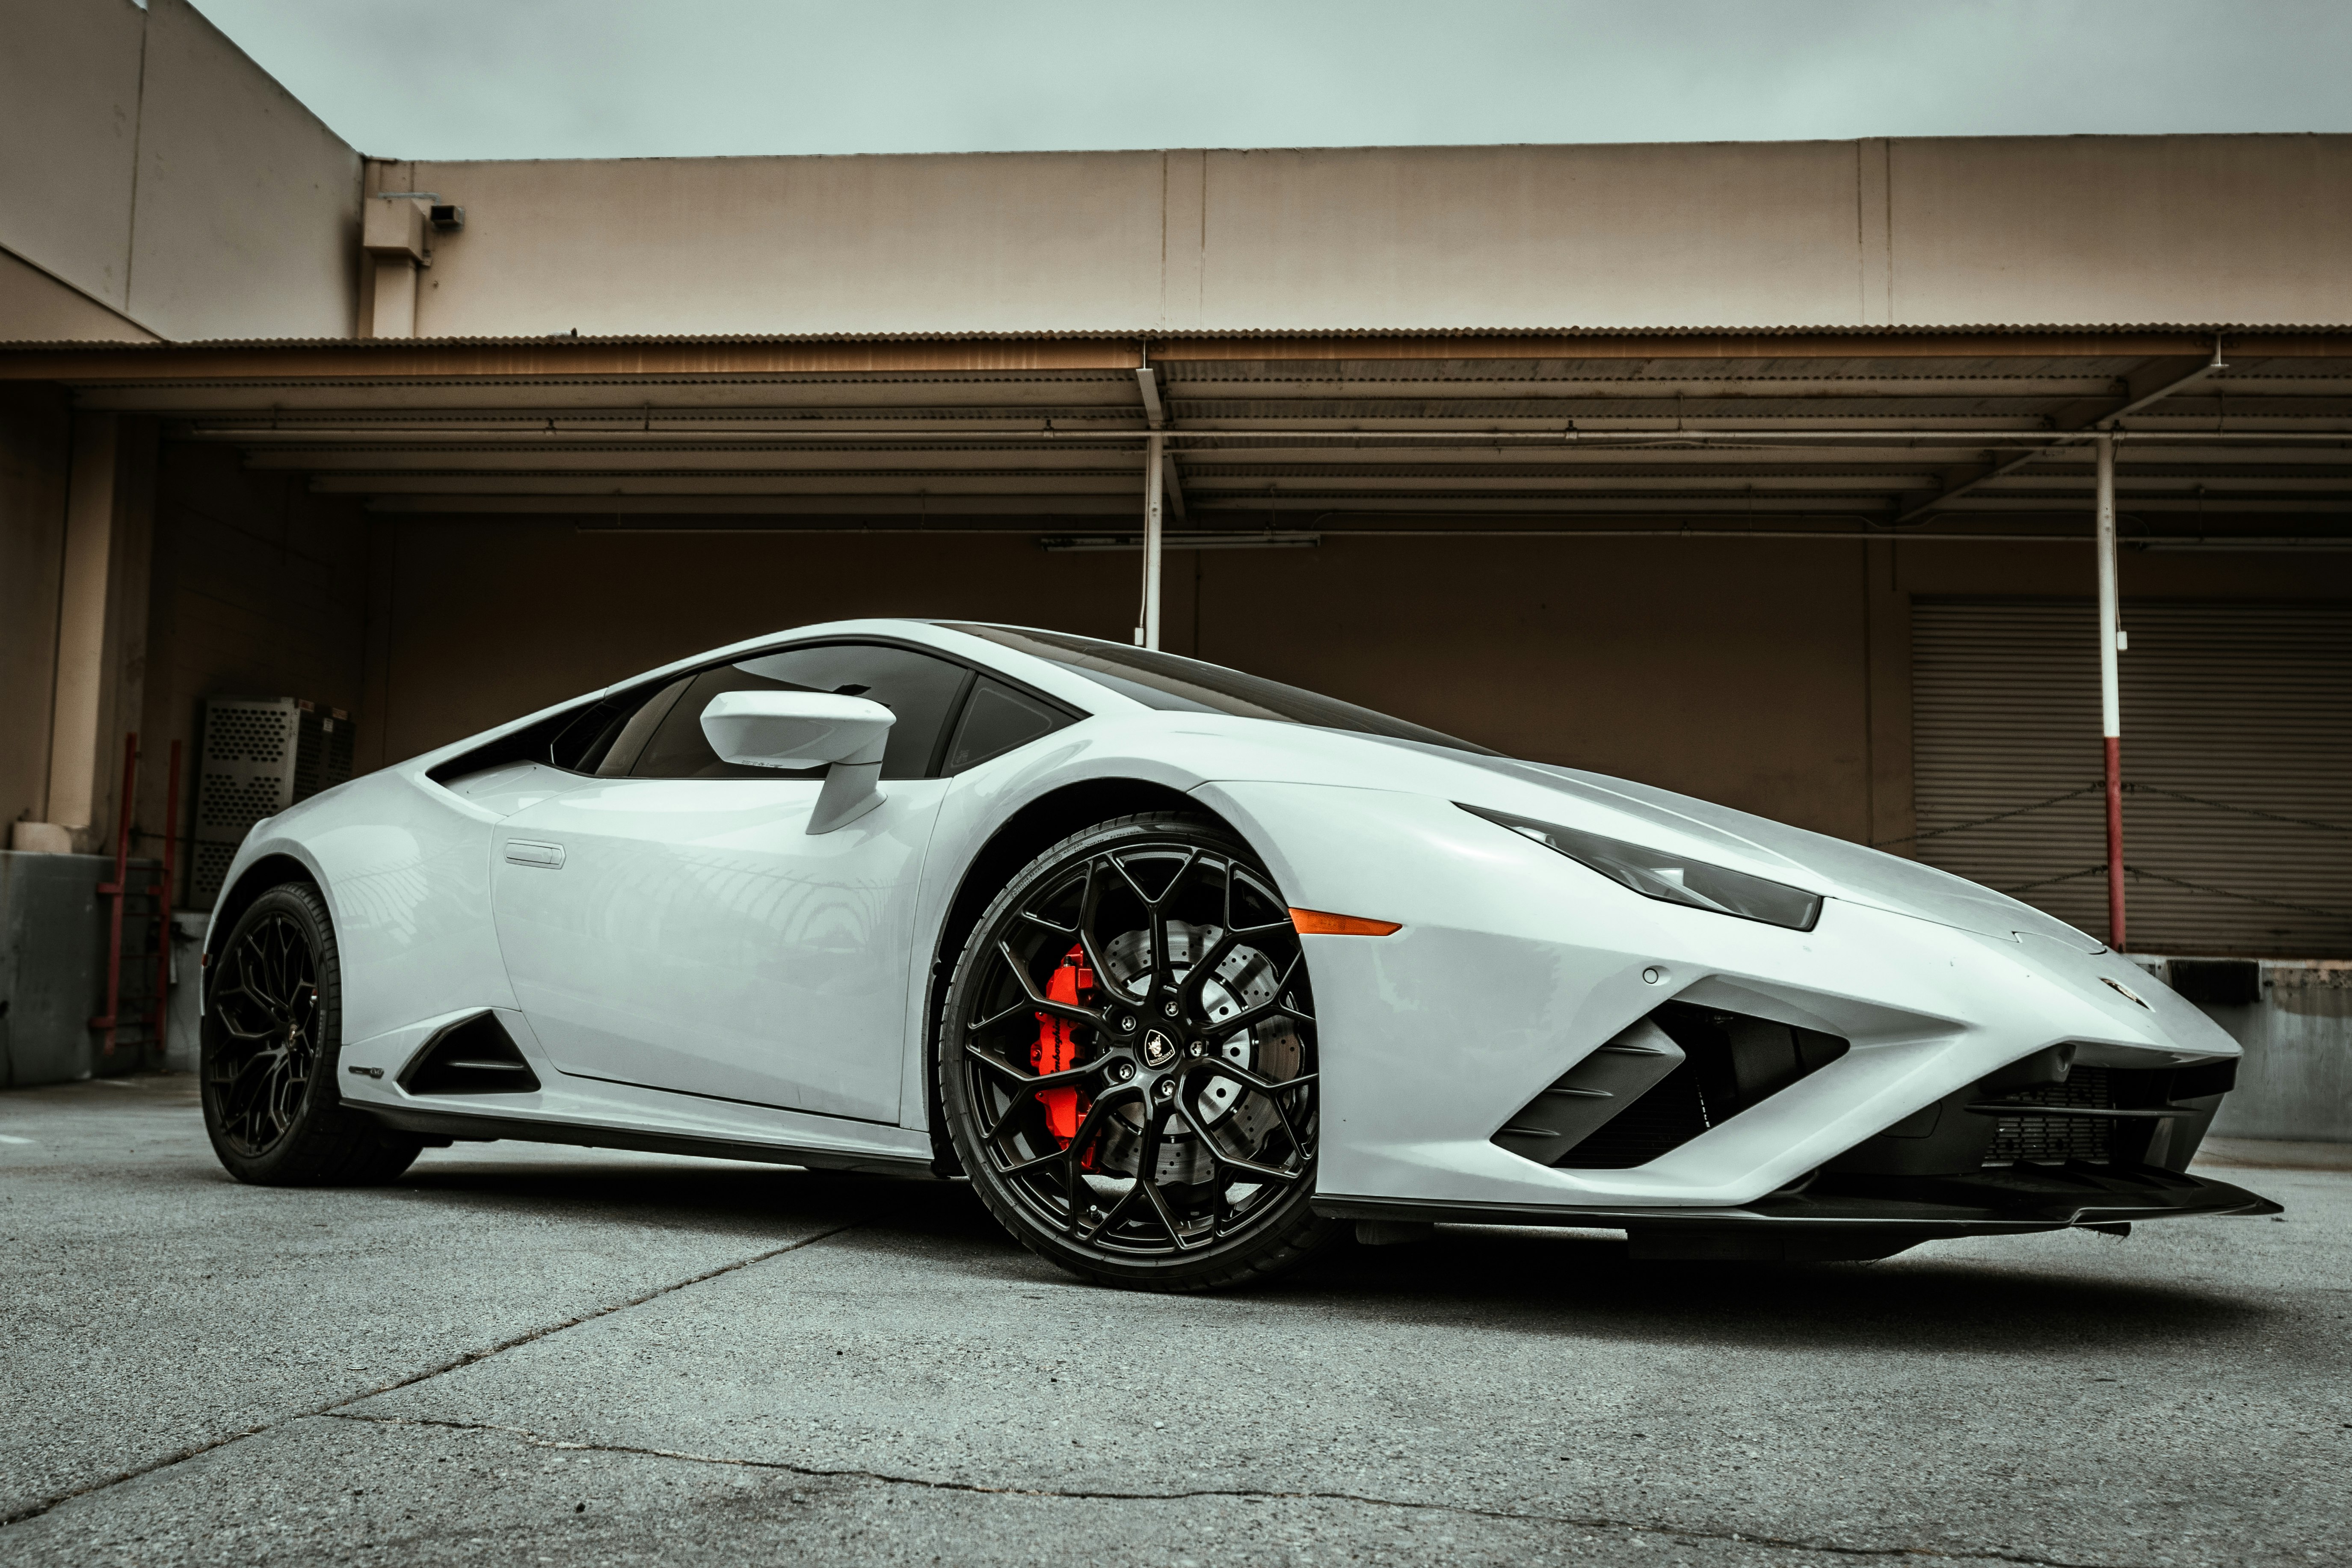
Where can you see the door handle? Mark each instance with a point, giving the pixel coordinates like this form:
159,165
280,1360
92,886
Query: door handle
526,852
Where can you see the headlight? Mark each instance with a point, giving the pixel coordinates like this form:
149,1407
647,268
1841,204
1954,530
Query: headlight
1669,877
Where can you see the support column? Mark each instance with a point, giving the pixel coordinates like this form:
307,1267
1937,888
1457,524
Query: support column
2110,702
1148,635
79,694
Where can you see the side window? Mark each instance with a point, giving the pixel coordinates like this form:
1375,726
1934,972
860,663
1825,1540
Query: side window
920,690
606,738
635,729
996,720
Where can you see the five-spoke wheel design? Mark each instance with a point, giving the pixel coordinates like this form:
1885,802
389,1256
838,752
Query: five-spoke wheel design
1132,1041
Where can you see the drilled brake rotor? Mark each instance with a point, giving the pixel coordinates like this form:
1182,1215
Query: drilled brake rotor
1244,978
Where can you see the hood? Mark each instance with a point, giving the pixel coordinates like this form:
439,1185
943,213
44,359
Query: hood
1816,861
1215,746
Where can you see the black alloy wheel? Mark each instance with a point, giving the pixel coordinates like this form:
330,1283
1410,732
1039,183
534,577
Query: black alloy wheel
1127,1064
271,1038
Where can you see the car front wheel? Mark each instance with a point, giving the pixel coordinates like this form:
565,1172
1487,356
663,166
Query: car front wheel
1127,1059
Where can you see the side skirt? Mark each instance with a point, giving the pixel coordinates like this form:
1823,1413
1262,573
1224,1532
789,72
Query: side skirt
490,1128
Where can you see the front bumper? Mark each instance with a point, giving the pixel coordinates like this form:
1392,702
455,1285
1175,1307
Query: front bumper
1514,965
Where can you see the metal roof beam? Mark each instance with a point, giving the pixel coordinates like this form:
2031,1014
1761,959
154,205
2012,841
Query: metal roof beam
2104,423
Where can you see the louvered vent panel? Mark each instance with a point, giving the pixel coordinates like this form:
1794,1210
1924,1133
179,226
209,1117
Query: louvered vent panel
258,756
2244,707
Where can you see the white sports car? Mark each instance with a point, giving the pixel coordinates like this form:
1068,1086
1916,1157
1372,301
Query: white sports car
1184,969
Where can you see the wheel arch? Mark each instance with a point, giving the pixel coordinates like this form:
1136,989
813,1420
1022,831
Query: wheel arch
1019,839
269,872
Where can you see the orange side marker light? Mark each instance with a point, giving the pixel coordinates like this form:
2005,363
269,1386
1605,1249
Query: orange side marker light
1315,922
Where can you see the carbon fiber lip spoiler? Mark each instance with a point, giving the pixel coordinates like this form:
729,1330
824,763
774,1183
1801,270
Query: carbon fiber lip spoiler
1991,1203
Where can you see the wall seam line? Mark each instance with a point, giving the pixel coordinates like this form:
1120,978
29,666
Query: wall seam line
138,156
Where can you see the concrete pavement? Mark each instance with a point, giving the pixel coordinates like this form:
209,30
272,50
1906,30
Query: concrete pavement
537,1354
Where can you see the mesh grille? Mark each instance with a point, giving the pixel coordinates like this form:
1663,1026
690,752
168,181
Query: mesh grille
2053,1140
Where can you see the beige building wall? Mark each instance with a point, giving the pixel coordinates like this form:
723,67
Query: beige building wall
2247,230
146,163
2121,230
37,307
69,138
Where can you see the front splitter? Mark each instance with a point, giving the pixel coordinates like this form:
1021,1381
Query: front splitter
1857,1216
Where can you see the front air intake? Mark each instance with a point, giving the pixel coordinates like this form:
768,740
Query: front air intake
473,1055
1661,1083
2041,1129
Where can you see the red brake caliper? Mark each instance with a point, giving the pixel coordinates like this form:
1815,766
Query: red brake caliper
1056,1049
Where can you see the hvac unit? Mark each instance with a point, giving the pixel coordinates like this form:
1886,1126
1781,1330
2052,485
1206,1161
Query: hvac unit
261,755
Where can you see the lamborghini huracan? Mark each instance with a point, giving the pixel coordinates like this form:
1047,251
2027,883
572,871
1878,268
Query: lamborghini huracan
1185,971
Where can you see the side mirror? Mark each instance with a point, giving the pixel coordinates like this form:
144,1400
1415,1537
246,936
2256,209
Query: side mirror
844,735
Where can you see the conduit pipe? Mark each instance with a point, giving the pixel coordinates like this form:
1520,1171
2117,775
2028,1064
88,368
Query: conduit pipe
1148,634
2111,642
582,425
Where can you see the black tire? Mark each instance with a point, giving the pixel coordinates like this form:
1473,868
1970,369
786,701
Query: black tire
272,1036
1216,1100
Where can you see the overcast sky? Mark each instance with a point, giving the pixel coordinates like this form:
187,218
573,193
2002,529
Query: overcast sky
567,79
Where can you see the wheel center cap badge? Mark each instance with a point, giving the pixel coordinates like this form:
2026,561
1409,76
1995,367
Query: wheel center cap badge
1159,1050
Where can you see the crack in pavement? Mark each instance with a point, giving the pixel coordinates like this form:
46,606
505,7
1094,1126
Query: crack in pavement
34,1511
1679,1533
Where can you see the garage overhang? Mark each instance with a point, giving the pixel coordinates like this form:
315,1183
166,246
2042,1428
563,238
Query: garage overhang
1862,432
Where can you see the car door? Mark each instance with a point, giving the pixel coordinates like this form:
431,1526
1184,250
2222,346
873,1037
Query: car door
674,924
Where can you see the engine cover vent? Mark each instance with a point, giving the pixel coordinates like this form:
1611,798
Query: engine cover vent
473,1055
1659,1084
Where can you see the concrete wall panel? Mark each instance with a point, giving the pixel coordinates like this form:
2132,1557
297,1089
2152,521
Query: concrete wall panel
1395,238
2295,1082
68,140
35,308
986,243
2054,231
1713,235
2122,231
248,205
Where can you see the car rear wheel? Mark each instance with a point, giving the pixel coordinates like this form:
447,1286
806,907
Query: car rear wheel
1127,1060
272,1032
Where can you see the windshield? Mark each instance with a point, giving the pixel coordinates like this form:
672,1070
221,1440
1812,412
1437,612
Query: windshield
1168,682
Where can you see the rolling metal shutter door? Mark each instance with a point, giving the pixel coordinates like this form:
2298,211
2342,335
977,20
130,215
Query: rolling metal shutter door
2237,761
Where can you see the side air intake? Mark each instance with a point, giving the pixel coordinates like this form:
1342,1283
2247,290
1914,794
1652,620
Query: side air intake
1659,1084
1590,1094
473,1055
